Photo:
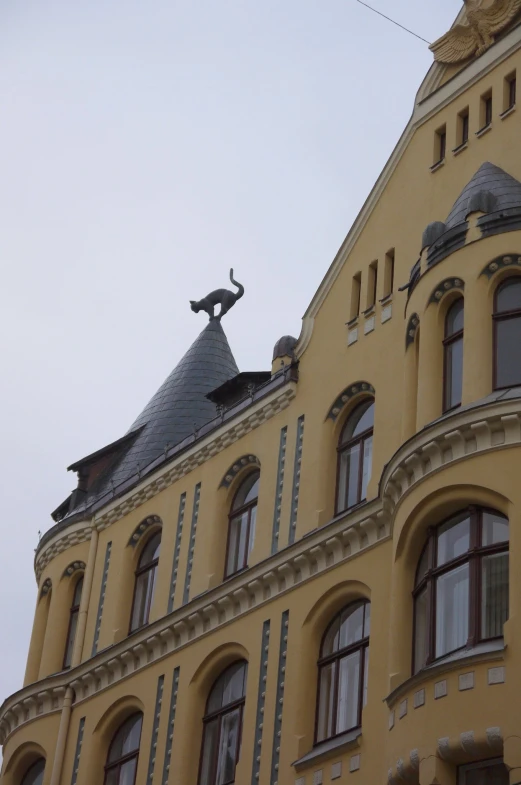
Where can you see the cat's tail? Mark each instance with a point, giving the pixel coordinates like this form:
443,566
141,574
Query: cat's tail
237,284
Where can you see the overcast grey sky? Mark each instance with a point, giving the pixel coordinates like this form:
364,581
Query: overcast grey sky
146,147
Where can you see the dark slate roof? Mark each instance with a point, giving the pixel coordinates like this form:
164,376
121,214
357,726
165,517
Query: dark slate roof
180,405
505,188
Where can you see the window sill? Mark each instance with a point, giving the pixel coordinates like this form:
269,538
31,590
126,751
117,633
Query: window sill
507,112
387,299
484,130
369,311
438,165
352,322
459,149
326,749
482,652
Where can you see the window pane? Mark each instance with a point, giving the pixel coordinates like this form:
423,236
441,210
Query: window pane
454,318
349,475
126,739
209,751
491,774
348,692
70,639
326,702
248,491
453,540
352,626
234,683
421,629
242,555
253,521
331,638
361,420
367,465
508,296
145,586
494,594
453,373
508,352
228,747
423,565
367,619
235,528
34,776
452,610
111,776
77,593
495,528
151,550
127,772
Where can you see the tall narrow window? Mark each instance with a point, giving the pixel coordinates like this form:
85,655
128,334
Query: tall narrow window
486,110
440,145
509,92
461,587
355,296
145,583
486,772
222,727
342,672
121,766
73,623
355,454
241,528
507,334
463,127
372,284
34,775
389,273
453,360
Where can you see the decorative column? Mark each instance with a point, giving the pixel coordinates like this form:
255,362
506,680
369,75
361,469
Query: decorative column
85,599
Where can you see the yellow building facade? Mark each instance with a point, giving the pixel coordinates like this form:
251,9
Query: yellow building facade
301,577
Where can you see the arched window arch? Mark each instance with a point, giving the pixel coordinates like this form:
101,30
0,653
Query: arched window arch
34,774
241,527
342,671
145,583
461,585
73,623
355,456
123,754
223,727
453,356
507,334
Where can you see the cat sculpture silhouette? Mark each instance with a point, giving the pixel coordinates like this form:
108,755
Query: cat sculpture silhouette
223,297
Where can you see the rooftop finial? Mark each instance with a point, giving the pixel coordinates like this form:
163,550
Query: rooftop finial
223,297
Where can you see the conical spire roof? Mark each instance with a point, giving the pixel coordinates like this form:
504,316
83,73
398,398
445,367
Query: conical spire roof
493,180
180,405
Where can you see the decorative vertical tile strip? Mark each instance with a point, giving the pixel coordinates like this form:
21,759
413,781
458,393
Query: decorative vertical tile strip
178,537
170,733
261,699
77,754
155,730
280,487
191,547
281,675
101,599
296,480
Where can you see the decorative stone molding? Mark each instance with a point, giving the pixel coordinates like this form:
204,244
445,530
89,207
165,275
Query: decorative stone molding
75,566
299,445
171,724
191,547
155,730
280,487
468,432
77,754
261,700
345,397
46,588
236,467
322,550
279,702
412,329
139,531
177,551
507,260
446,286
214,443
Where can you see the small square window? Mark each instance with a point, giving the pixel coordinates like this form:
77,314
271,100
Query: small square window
463,127
509,92
485,115
440,145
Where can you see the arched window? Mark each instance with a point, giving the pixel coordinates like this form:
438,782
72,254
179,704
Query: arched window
461,587
488,772
223,727
73,623
241,528
34,775
355,454
453,356
122,759
507,334
342,672
145,584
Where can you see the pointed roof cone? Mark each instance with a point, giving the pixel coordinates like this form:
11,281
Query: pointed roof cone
180,405
489,178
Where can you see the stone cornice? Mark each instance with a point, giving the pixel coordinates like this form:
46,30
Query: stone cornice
206,448
323,549
470,431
